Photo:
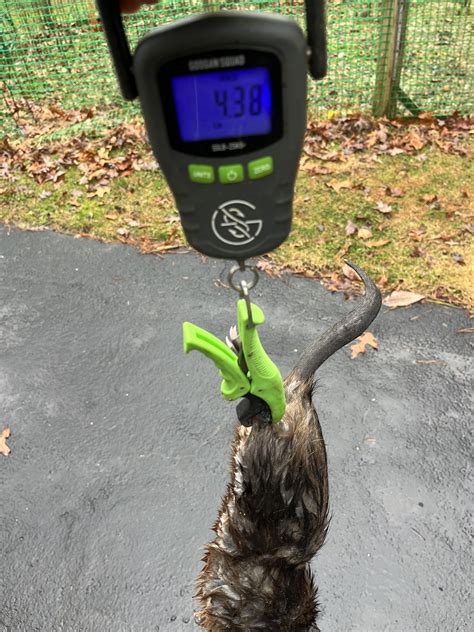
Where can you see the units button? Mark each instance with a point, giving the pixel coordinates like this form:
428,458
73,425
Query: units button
260,168
204,174
229,174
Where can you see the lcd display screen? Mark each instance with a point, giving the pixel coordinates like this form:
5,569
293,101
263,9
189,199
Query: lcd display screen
223,104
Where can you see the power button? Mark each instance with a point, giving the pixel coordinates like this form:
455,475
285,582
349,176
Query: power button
229,174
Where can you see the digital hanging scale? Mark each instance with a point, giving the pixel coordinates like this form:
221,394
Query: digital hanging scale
224,101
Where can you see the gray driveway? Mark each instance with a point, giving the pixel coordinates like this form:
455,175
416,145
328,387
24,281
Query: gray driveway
120,444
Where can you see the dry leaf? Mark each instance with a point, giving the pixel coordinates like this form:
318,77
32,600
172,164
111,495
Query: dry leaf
351,228
429,362
349,273
383,208
394,192
364,233
111,216
123,232
396,151
466,330
401,298
415,140
429,198
337,185
4,449
100,192
418,233
377,244
458,258
360,347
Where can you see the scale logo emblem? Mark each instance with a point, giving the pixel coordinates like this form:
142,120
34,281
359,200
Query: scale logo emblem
230,223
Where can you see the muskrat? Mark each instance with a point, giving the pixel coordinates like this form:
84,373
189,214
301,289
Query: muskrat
273,518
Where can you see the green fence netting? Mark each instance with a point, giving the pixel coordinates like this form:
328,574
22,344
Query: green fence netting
389,57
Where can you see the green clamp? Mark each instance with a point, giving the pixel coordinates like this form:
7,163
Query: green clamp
234,383
263,378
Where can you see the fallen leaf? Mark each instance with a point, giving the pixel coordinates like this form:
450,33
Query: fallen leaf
123,232
351,228
418,251
458,258
4,449
429,198
364,233
402,298
382,282
396,151
415,140
269,267
133,223
99,192
377,244
111,216
317,171
394,192
429,362
383,208
466,330
417,234
349,273
337,185
360,347
45,194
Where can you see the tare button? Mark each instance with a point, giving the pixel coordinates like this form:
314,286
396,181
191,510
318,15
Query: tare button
204,174
231,173
260,168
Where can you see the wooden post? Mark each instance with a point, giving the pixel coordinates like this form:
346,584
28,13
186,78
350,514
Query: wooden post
386,57
402,14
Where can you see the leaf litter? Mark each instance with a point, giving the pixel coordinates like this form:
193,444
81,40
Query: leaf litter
121,151
366,340
4,435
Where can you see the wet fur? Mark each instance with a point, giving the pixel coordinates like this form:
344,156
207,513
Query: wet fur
274,516
272,521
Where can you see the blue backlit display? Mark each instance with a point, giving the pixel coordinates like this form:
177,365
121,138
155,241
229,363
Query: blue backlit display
223,104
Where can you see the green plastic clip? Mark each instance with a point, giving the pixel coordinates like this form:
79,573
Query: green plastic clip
266,381
263,379
234,383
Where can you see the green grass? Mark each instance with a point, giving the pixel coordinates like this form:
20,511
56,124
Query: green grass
139,210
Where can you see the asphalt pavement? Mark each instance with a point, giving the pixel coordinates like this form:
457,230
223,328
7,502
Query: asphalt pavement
120,444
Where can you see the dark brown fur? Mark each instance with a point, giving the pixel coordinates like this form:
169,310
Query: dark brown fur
274,516
272,522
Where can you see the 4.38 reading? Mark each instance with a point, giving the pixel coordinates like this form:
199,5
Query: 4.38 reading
222,104
240,101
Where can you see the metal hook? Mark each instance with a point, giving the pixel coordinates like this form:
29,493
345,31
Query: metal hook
245,295
242,267
244,286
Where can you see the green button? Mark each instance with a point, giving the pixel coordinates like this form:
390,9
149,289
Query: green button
260,168
231,173
203,174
